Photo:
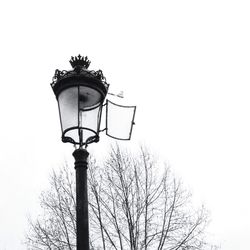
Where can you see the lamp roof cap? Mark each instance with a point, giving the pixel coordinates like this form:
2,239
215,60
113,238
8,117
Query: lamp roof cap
80,61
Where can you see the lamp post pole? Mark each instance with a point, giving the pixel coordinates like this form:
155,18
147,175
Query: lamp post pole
82,219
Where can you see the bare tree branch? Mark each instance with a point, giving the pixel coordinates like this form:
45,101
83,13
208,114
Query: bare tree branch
135,204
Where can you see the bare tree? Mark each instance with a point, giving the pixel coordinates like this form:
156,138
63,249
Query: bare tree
55,228
133,204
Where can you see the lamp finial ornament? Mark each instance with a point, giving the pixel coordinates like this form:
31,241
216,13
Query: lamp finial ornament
80,61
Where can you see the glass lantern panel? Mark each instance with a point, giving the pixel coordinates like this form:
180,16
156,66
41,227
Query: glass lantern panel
89,98
119,120
68,106
89,122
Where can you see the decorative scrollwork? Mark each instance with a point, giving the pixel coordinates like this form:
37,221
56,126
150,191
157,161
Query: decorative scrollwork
98,74
58,75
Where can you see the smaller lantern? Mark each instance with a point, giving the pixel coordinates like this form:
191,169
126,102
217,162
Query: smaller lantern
80,94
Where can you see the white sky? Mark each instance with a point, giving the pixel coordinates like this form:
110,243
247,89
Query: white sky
185,64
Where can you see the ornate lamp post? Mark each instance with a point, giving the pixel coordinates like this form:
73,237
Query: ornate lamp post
80,94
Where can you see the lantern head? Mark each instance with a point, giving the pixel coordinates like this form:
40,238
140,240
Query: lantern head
80,94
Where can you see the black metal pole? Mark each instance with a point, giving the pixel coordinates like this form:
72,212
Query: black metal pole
82,218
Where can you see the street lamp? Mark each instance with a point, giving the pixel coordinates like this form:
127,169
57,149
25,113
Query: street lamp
80,94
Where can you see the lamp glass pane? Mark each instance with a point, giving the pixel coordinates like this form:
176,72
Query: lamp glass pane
89,122
89,98
119,120
68,106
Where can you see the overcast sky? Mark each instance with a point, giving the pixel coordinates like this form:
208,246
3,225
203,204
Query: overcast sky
185,64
